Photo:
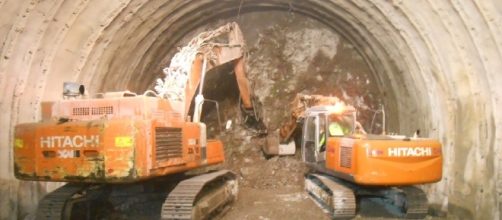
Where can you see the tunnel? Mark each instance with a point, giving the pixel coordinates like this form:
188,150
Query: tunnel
434,65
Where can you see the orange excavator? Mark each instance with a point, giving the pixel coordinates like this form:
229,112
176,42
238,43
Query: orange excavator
121,150
350,165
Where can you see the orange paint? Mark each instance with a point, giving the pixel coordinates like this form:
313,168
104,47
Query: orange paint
385,162
137,138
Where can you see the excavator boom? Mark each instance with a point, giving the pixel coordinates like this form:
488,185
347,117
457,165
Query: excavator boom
204,54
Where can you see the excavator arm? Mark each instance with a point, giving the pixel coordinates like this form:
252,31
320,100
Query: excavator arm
203,53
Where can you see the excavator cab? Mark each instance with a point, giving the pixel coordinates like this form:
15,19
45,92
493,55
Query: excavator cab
321,123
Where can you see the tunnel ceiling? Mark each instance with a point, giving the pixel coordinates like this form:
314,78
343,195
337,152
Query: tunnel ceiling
439,60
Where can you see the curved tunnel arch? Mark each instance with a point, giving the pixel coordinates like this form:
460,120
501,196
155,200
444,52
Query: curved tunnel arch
440,62
153,55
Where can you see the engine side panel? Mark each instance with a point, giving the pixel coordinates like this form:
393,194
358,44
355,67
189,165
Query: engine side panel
137,139
385,162
92,151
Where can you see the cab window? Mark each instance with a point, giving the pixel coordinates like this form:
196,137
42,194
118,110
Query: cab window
340,125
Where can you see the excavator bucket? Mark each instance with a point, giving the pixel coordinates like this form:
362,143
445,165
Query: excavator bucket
252,118
274,146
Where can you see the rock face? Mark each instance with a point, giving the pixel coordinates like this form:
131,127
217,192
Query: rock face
434,65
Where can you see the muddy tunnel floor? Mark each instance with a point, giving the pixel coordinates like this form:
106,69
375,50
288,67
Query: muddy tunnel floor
269,188
273,188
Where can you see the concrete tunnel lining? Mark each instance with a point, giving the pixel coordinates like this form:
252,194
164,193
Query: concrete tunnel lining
440,60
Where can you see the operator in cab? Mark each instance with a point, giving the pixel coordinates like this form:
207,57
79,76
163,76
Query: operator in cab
338,126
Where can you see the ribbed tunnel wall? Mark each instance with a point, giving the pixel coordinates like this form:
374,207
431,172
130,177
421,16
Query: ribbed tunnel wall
440,60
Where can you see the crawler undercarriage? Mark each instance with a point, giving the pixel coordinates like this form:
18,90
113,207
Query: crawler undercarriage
340,198
178,197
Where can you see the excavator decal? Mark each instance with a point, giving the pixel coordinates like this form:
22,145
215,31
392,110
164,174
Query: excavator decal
77,141
409,152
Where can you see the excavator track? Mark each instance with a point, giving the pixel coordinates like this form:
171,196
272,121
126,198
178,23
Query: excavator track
339,199
403,202
331,196
416,204
200,196
52,206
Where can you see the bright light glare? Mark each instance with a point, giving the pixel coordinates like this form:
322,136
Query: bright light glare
338,108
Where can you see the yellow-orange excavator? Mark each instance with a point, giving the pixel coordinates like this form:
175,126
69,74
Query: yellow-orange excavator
120,150
350,165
